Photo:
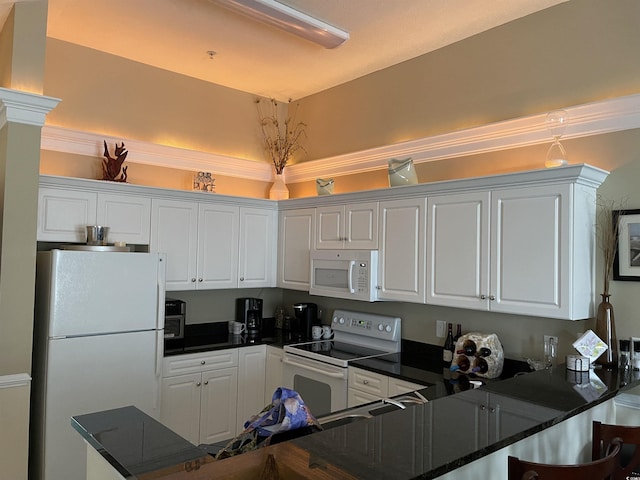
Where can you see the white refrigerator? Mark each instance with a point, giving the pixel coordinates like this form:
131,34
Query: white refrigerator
98,345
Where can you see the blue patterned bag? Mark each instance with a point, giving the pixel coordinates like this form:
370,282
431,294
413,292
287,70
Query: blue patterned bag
287,411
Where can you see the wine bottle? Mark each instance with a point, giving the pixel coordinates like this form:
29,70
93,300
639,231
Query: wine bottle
483,352
447,352
462,364
480,365
468,348
458,333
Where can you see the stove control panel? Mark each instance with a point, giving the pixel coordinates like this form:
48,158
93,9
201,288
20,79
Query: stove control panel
366,324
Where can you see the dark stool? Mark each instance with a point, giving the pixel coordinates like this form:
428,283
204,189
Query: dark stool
602,436
601,469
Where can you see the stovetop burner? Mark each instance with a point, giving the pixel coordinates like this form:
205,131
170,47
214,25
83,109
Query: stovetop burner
356,336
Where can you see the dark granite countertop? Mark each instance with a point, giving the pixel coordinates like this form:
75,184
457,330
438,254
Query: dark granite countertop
422,441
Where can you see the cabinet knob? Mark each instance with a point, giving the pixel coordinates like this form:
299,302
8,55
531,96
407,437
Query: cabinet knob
492,410
203,362
242,279
365,382
492,297
483,297
193,280
198,384
483,407
199,280
206,382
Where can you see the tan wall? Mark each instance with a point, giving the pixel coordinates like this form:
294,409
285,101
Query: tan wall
106,94
14,438
572,53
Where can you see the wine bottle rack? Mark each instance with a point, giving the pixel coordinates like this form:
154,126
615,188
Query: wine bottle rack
484,352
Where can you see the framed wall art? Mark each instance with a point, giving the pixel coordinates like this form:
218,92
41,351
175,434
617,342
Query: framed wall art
626,265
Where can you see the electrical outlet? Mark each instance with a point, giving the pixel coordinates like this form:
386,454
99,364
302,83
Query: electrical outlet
441,328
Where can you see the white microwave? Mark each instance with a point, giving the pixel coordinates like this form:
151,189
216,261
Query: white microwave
351,274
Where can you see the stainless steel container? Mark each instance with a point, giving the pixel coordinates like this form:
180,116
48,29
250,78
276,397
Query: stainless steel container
97,235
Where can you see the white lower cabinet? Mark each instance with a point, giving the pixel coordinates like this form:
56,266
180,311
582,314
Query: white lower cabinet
273,375
251,382
199,395
365,386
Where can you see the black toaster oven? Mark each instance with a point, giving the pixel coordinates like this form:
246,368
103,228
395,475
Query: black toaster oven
175,313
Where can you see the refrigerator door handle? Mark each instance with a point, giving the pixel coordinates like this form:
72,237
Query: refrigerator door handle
162,262
159,358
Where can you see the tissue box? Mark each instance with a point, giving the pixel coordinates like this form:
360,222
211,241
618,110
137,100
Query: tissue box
590,345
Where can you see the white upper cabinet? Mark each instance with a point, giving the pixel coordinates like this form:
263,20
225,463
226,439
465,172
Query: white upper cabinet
212,246
63,215
258,248
353,226
218,234
174,231
458,250
521,250
297,233
128,217
401,269
537,267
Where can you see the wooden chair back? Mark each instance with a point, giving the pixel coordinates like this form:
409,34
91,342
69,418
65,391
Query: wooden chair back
601,469
602,436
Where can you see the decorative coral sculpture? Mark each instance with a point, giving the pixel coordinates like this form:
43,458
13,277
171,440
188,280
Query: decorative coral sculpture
111,166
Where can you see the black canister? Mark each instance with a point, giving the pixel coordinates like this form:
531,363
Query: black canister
306,316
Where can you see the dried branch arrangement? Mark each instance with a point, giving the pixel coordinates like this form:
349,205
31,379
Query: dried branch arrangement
282,139
607,227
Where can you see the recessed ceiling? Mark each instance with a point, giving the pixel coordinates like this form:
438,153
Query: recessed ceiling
253,57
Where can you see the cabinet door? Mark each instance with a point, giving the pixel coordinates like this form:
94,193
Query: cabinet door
458,250
357,397
180,405
273,374
217,246
361,226
64,214
218,405
398,386
297,234
127,216
251,381
401,272
174,231
368,382
531,233
330,227
258,240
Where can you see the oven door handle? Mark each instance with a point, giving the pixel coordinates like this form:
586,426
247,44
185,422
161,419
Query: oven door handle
312,369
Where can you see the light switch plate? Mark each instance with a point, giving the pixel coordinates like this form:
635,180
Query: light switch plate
441,328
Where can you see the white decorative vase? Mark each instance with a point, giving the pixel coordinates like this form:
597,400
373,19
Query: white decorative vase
279,190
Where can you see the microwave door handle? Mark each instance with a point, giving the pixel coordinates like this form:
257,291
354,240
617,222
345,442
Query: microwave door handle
352,264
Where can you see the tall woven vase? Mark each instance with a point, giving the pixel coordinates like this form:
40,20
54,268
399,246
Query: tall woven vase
606,331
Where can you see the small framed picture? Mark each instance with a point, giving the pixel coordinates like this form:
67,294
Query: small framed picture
626,265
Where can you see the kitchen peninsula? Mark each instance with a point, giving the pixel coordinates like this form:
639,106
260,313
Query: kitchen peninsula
438,439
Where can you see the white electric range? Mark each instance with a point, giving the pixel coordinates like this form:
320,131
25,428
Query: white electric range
317,370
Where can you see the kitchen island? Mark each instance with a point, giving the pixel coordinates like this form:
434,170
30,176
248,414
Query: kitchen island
453,436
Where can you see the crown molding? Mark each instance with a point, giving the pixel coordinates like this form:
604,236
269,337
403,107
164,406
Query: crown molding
612,115
59,139
24,107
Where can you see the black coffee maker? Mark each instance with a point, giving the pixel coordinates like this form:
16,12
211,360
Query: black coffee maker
306,316
249,312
